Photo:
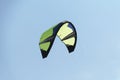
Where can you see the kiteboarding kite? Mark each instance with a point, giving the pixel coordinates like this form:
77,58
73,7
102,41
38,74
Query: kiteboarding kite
65,31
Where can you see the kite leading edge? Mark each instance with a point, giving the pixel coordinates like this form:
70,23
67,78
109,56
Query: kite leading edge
65,31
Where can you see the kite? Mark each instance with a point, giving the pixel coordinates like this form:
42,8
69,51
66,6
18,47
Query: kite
66,33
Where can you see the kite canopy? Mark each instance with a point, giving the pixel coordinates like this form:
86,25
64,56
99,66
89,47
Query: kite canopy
65,31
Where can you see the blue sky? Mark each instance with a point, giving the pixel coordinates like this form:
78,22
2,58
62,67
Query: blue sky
97,53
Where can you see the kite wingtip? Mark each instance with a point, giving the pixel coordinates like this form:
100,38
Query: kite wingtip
44,54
